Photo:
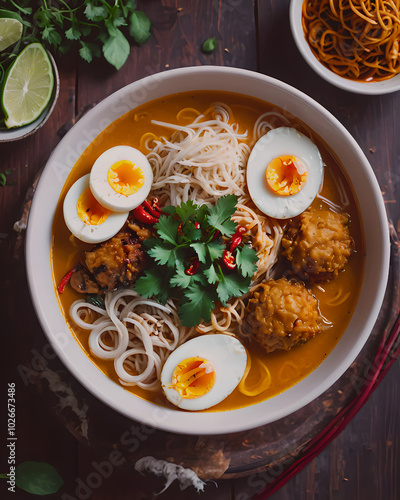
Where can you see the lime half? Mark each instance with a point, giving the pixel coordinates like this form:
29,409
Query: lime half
10,32
27,87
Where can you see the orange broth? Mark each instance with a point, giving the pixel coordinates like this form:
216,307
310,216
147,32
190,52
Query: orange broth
286,367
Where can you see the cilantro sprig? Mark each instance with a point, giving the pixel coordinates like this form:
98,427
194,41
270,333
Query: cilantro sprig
93,27
191,234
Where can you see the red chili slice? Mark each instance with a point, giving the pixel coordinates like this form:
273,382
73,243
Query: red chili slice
237,237
65,279
143,216
229,259
152,210
193,267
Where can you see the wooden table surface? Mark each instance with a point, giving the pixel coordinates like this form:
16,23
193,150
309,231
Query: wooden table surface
364,461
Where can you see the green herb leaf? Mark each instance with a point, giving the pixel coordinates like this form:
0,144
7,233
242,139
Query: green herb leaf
50,35
201,251
73,33
181,279
209,45
95,300
211,275
246,259
129,6
163,254
220,214
231,285
167,229
116,50
215,249
196,306
88,51
190,232
43,18
38,478
154,283
95,12
139,27
186,210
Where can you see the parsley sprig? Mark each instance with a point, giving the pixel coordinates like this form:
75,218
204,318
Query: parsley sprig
196,232
94,27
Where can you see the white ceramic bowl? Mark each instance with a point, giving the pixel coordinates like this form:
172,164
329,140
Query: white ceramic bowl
15,134
41,218
383,87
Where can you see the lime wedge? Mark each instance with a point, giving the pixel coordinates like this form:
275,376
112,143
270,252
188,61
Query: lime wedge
10,32
27,87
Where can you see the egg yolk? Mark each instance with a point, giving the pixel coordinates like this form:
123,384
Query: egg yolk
89,209
286,175
193,377
125,177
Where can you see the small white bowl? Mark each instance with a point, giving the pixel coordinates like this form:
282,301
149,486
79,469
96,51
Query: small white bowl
38,247
15,134
371,88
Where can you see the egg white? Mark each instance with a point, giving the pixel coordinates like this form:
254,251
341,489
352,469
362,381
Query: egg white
275,143
101,188
87,232
226,354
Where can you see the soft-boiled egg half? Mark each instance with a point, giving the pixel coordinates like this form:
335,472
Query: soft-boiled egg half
121,178
86,218
284,173
203,371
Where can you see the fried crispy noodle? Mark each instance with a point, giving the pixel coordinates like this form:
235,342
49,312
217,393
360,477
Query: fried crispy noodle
138,334
201,162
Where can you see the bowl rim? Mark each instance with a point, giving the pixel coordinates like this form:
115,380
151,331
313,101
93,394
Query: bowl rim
33,127
357,87
58,334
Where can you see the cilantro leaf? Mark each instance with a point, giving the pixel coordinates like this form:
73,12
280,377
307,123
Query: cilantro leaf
202,214
215,249
186,210
190,232
88,50
154,283
246,259
116,49
167,229
211,275
181,279
50,35
139,27
232,285
220,214
196,306
95,12
169,210
130,6
73,33
162,254
201,251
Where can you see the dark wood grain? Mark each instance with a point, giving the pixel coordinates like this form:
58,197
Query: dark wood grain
361,463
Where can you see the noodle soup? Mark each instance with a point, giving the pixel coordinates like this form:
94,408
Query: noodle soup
161,129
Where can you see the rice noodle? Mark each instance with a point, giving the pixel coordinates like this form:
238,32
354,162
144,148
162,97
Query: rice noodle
202,161
142,333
